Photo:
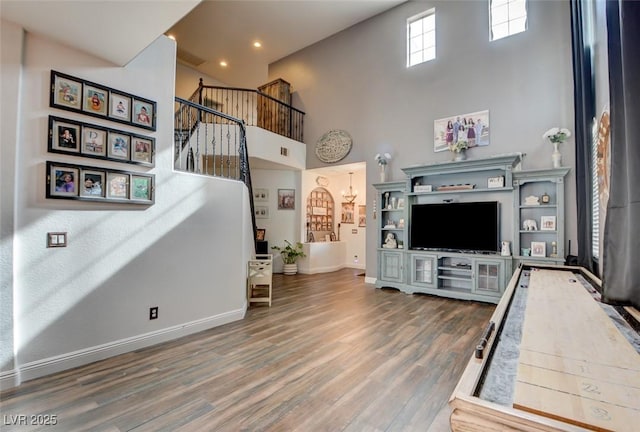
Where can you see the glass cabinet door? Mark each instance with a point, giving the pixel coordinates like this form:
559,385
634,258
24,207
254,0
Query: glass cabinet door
423,270
488,278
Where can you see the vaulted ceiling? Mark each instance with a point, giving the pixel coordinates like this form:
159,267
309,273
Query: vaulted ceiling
206,32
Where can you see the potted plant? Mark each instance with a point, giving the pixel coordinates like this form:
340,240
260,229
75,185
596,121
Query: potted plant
290,254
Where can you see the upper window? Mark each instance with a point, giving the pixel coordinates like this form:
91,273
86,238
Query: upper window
421,38
507,17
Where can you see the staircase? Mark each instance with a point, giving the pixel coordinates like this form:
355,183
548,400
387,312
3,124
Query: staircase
210,129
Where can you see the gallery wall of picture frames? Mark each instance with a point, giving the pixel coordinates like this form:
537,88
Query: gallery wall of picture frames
87,183
89,140
75,94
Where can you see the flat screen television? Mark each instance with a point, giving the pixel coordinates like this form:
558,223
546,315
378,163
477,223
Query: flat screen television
465,226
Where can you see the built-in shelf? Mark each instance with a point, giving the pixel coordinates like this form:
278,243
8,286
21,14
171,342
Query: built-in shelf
463,275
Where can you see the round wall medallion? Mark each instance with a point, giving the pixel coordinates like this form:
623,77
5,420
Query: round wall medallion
333,146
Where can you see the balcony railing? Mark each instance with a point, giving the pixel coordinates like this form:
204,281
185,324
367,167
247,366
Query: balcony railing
254,107
211,143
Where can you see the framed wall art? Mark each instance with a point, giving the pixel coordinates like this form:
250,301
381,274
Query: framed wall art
538,249
117,185
62,180
144,113
93,141
141,186
65,135
547,223
75,94
95,100
66,92
261,195
473,128
286,199
86,183
92,183
118,145
142,149
119,106
88,140
347,213
261,212
362,215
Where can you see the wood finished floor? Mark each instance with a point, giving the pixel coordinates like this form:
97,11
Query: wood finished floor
331,354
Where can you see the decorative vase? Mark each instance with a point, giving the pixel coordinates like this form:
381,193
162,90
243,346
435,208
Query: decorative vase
460,156
290,269
556,156
383,176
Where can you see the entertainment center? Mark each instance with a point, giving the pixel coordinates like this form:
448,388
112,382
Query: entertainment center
443,229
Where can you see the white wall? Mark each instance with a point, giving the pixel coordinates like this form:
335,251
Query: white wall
281,225
355,256
184,254
10,73
357,80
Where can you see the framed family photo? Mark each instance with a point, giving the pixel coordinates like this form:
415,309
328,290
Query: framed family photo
66,91
63,180
260,233
92,183
142,150
64,135
94,141
118,145
119,106
144,113
473,128
95,100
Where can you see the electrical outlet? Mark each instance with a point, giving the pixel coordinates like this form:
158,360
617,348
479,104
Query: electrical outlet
153,313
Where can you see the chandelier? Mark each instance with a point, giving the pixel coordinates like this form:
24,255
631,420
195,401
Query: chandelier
351,196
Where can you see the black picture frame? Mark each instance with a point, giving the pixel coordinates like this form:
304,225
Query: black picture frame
75,94
97,142
116,186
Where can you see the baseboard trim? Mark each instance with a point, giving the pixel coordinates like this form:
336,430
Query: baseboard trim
47,366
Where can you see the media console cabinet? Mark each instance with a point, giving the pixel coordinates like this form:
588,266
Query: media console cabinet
552,358
469,276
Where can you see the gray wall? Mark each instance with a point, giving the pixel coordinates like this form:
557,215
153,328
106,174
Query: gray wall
358,80
62,307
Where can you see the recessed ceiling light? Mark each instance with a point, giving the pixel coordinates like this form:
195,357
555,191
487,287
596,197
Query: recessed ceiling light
257,44
171,37
223,63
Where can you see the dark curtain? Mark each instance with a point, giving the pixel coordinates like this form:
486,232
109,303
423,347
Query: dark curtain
621,249
583,93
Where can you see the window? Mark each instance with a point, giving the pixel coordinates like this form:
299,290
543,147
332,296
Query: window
507,17
421,38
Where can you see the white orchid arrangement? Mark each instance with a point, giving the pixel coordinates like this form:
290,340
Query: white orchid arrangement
458,146
557,135
383,158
